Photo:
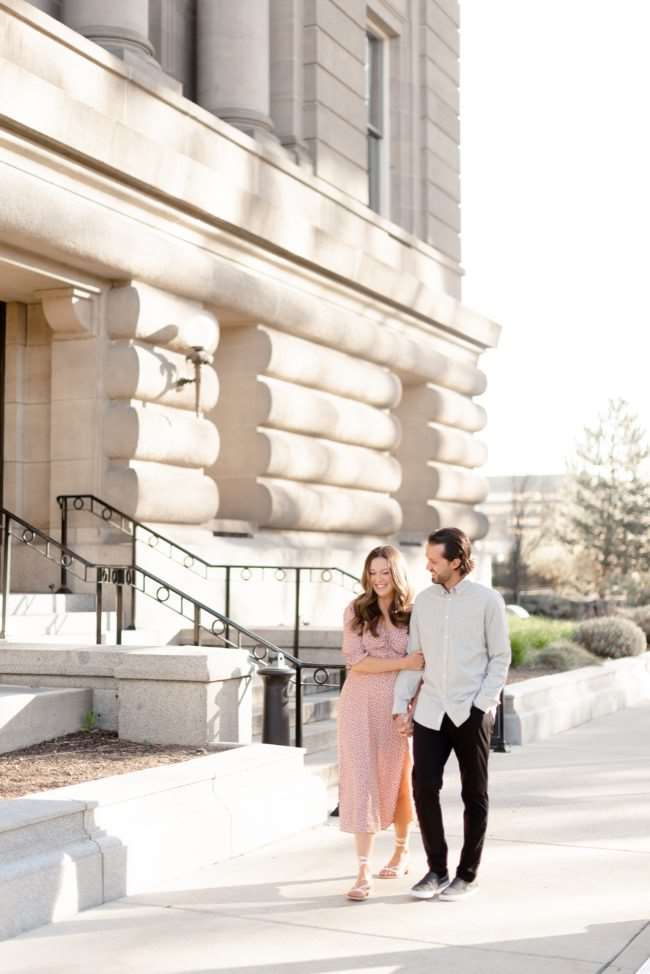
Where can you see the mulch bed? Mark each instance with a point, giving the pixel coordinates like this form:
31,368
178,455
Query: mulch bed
83,756
88,755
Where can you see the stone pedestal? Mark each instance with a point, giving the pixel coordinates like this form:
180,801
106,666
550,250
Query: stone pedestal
191,697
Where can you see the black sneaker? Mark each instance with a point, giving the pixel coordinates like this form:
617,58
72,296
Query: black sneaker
429,886
459,889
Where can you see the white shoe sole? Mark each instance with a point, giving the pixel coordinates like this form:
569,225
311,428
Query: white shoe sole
426,895
454,897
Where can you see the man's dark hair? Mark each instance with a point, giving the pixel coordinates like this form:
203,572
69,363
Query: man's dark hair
457,545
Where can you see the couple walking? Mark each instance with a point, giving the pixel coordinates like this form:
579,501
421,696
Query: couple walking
433,669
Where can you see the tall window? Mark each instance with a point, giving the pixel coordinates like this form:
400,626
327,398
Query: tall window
376,72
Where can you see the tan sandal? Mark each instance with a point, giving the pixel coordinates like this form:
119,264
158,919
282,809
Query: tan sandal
360,890
394,872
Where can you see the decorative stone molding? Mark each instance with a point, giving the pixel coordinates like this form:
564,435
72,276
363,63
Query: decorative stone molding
70,311
148,314
289,505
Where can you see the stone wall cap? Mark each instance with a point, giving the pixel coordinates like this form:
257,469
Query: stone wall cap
221,765
607,669
194,665
73,660
20,813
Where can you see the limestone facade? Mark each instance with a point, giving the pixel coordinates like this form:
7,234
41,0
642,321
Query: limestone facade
194,174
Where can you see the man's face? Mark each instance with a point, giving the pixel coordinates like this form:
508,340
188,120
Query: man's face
440,569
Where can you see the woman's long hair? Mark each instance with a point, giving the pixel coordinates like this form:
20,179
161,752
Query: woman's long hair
367,612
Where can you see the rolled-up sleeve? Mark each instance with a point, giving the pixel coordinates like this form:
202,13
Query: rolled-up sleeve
352,645
408,681
497,639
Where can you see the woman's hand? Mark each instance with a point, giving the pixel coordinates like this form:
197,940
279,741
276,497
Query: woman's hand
413,661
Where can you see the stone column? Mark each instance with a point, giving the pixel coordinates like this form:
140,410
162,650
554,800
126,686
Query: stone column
287,74
121,27
233,70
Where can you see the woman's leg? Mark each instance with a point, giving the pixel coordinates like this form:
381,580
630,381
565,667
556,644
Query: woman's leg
404,814
364,842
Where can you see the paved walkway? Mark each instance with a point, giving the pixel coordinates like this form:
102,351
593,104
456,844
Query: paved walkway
565,888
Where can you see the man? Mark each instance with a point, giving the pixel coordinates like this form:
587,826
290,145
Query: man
461,628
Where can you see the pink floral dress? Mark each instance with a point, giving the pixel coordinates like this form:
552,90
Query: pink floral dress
372,755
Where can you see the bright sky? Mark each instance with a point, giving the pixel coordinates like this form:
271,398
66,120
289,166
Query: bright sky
555,134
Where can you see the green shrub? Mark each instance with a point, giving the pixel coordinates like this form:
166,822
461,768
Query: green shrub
611,636
534,633
563,654
641,616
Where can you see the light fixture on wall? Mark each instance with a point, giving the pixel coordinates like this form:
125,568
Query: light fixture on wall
198,357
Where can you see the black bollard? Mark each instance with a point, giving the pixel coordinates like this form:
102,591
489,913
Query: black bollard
276,724
498,742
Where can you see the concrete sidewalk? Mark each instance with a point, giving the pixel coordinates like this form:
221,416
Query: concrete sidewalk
565,888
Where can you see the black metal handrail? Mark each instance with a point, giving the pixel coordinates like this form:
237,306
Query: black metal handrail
187,559
16,528
202,616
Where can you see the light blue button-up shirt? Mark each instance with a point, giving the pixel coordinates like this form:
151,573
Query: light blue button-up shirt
463,634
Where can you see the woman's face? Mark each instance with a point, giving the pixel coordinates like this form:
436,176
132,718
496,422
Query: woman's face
380,577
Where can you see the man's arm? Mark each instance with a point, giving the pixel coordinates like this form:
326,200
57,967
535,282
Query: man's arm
408,681
497,640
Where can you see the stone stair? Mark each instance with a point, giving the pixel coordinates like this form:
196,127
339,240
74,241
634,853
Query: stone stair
29,715
51,618
319,718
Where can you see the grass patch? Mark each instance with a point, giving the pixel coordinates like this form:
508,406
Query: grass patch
535,633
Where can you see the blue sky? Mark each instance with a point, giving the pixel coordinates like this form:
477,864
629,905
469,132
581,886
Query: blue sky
556,214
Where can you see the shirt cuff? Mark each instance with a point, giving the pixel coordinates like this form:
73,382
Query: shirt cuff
400,707
485,703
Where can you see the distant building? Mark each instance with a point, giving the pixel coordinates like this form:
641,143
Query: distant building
519,504
264,194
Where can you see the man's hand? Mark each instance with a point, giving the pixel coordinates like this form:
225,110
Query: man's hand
404,724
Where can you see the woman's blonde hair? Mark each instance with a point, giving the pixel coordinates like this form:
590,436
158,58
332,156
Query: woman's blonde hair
366,606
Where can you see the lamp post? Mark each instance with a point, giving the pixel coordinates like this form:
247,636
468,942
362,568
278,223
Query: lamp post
198,357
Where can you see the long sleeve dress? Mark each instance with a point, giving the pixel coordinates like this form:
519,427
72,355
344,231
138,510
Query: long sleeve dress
372,754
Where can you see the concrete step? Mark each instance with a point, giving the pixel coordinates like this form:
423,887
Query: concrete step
29,715
315,708
325,764
319,736
57,624
282,637
48,603
137,637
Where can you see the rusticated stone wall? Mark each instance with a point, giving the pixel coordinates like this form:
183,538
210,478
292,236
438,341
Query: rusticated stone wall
307,435
157,448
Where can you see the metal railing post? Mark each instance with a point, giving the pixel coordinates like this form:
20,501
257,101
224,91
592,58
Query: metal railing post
131,624
98,609
227,606
119,605
296,621
298,731
6,572
63,588
197,626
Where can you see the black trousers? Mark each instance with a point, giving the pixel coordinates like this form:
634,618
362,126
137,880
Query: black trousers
431,748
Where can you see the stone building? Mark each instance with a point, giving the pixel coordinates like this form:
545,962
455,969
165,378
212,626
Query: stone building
263,195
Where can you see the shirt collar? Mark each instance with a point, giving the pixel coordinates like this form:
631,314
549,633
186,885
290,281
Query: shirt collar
456,590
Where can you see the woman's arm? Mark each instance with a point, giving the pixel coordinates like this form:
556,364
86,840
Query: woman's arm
373,664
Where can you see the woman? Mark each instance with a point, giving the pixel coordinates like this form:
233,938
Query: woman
374,760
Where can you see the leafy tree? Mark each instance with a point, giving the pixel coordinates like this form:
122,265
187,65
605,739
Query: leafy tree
609,520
